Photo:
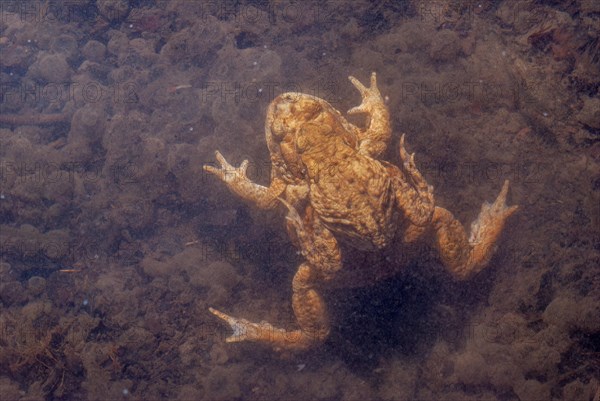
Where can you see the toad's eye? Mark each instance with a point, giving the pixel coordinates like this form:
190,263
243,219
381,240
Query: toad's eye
278,129
308,136
303,140
301,143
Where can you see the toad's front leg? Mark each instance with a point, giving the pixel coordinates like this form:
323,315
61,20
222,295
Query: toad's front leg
238,182
323,259
374,140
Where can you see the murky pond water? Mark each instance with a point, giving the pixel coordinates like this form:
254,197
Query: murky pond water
114,241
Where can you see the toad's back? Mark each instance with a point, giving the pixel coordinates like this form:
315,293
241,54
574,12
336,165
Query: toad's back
354,197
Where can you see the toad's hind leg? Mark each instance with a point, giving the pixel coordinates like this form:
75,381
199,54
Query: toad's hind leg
310,312
321,250
464,256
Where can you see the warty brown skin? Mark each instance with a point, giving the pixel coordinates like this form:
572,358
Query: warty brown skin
326,172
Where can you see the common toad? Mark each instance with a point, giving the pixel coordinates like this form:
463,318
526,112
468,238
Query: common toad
327,173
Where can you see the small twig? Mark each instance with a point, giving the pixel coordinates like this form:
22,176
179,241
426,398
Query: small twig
34,119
